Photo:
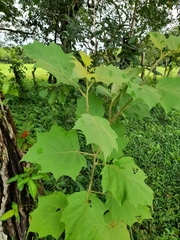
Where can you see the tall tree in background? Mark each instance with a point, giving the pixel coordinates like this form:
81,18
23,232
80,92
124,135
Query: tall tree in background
101,27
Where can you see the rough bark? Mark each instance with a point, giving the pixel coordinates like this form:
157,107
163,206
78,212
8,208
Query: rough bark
10,157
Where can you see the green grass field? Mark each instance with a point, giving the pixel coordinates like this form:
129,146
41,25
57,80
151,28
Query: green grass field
43,75
40,73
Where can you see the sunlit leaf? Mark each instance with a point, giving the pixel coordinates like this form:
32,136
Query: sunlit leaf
97,130
54,60
110,74
158,39
57,151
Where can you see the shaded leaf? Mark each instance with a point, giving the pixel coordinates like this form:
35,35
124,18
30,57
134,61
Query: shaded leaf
126,182
103,91
133,108
95,106
46,218
83,217
57,151
117,229
146,93
173,42
127,212
122,141
169,89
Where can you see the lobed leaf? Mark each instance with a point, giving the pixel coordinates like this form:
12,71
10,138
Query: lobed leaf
46,218
83,218
116,229
158,39
126,182
57,151
127,212
97,130
169,89
95,106
54,60
110,74
146,93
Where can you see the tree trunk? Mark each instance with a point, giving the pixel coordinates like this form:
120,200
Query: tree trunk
10,156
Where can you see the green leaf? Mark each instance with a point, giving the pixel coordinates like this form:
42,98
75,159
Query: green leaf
97,130
32,187
57,151
173,42
116,229
95,106
110,74
83,218
46,218
43,93
132,72
148,94
13,179
54,60
169,89
85,58
16,211
122,141
133,108
126,182
158,39
21,182
127,212
5,87
7,215
103,91
52,97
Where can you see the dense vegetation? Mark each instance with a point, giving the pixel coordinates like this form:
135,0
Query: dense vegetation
154,143
126,89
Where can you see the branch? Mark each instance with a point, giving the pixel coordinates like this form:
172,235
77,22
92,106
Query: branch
16,31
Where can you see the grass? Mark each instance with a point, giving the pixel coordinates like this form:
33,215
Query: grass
154,143
40,73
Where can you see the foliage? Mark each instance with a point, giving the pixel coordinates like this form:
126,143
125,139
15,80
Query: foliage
154,144
64,149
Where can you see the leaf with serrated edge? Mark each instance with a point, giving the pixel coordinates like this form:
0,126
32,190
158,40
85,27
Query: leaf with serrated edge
148,94
122,141
127,212
54,60
57,151
126,182
169,88
95,106
97,130
83,218
110,74
46,218
117,229
86,58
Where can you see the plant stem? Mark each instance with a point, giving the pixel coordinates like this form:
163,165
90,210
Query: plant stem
155,65
95,162
120,111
